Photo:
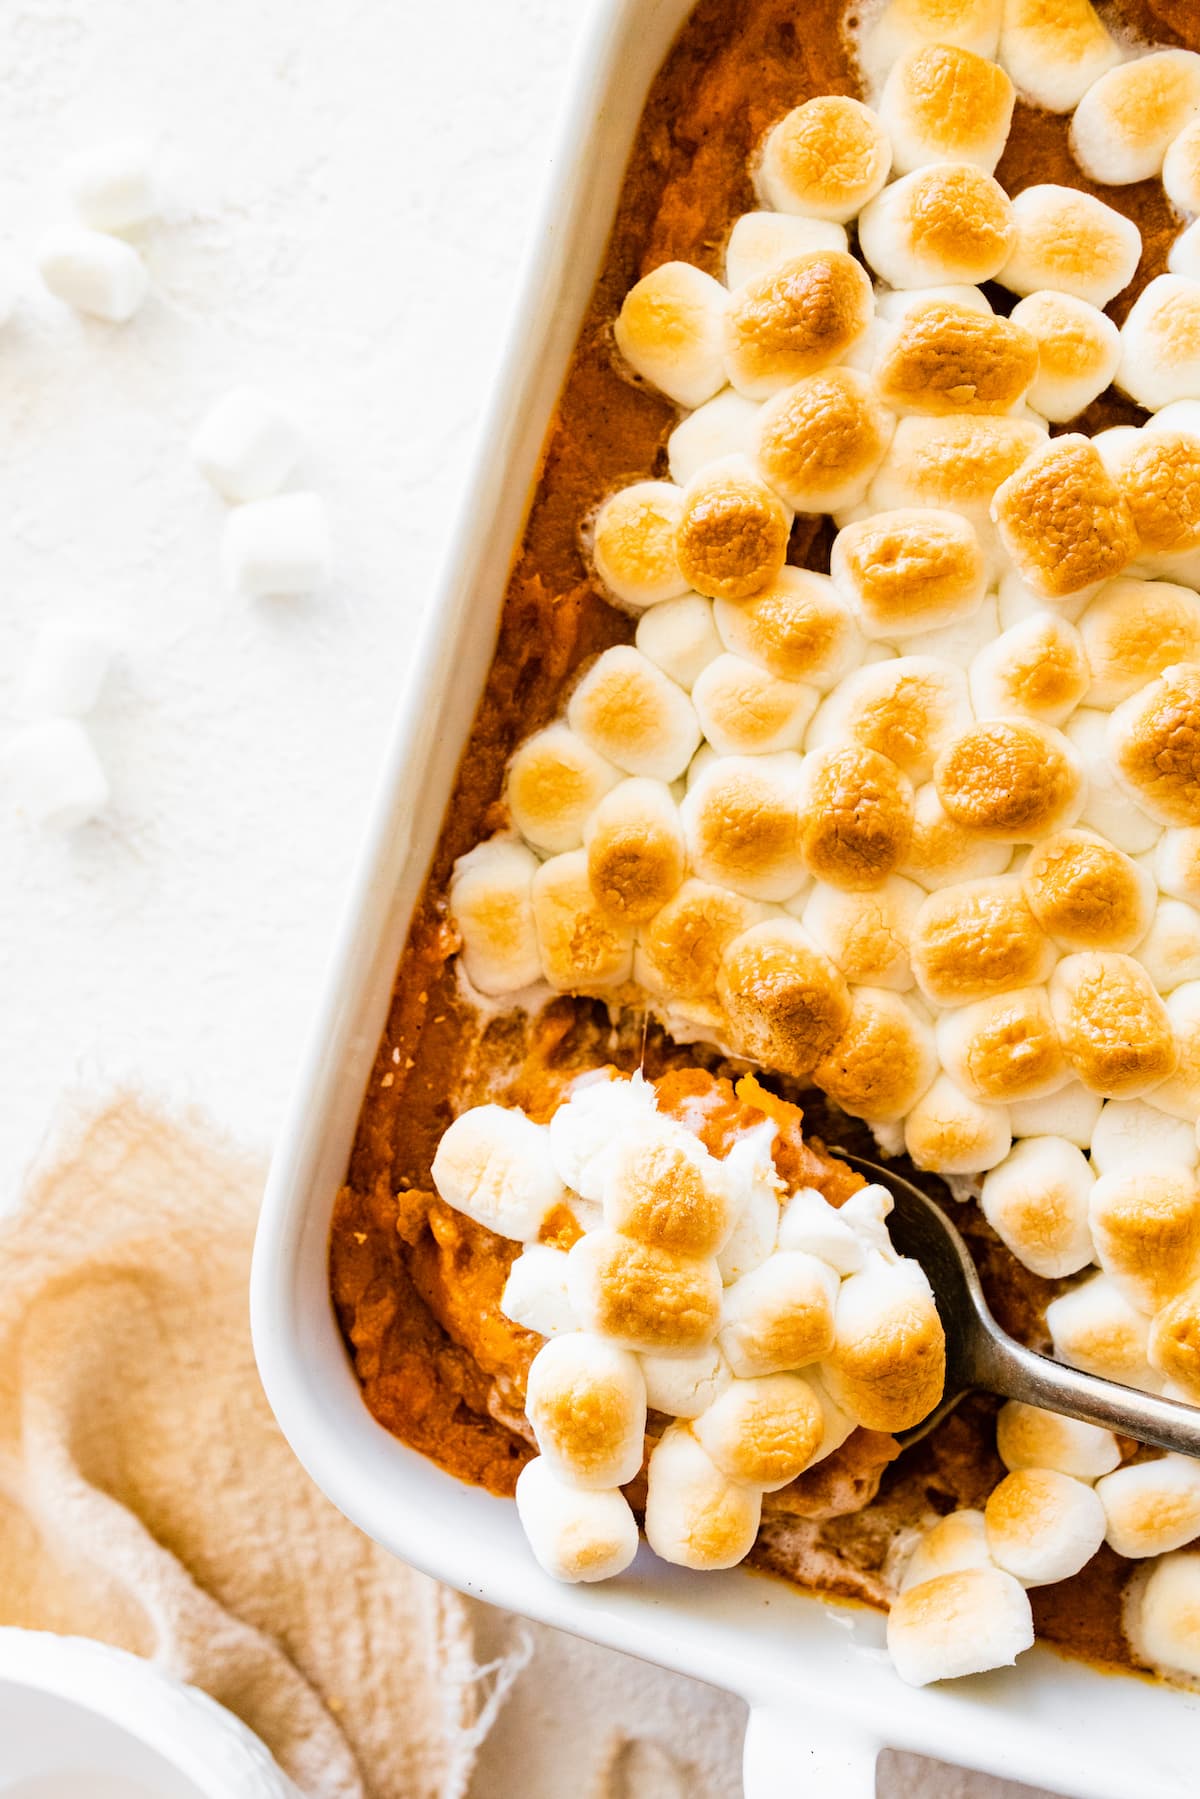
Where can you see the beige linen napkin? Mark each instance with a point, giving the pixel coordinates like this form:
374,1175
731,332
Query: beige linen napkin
148,1499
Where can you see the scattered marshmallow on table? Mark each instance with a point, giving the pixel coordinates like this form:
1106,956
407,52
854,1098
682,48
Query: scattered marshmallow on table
66,670
245,445
277,546
54,775
112,186
93,272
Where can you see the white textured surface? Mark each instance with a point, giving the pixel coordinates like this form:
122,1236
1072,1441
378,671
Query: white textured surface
346,191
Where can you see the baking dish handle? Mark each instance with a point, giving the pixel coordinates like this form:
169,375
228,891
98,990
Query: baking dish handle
794,1755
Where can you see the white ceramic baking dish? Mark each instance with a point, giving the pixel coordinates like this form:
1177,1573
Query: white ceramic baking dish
823,1697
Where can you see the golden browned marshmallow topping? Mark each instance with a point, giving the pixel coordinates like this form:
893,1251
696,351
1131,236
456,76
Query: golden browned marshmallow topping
949,221
947,358
883,1061
909,571
825,159
942,103
821,440
1155,739
855,816
786,1003
732,536
1160,479
1010,779
1112,1024
795,320
1087,894
978,939
798,627
1064,521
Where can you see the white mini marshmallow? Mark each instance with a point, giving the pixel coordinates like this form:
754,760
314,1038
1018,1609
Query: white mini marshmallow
245,445
93,273
867,1212
811,1224
1036,1201
1094,1327
956,1624
575,1534
1181,169
760,241
1163,1624
1152,1507
1160,343
1108,809
780,1315
1054,53
755,1187
1043,1526
683,1386
726,425
586,1132
54,775
112,186
1079,349
494,1165
1170,951
1027,1437
1070,1113
535,1293
1124,124
277,546
1183,258
695,1517
681,638
1132,1133
956,1542
669,331
586,1402
1071,243
491,902
66,670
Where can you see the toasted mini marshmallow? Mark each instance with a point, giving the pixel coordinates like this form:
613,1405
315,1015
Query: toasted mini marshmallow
976,939
679,637
1159,473
824,159
724,426
760,241
809,1223
956,463
1063,520
944,104
949,1132
946,359
1124,124
679,952
946,222
908,571
1037,669
942,853
495,1166
1112,1024
1132,631
1174,1343
763,1432
960,1623
1152,1507
1154,741
907,708
1094,1327
635,853
1131,1134
884,1062
887,1367
93,272
555,782
1036,1201
955,1543
1108,810
633,544
683,1386
695,1516
1054,53
535,1293
855,810
669,330
1027,1437
1179,1096
742,826
1160,343
491,902
1170,951
746,711
1003,1048
1070,1112
582,946
587,1128
628,711
1011,779
1177,864
665,1189
780,1315
576,1534
732,537
643,1298
1079,349
820,440
586,1402
1043,1526
1163,1625
798,318
1146,1227
786,1003
750,1172
799,628
1087,894
867,934
1071,243
904,25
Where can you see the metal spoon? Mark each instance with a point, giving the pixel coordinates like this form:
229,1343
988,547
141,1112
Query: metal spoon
980,1355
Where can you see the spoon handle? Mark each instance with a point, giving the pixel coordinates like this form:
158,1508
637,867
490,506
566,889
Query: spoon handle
1010,1370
